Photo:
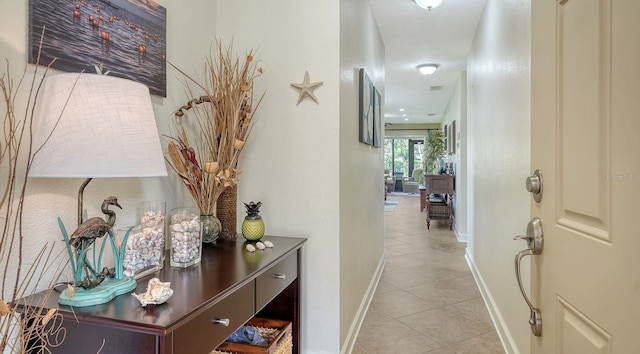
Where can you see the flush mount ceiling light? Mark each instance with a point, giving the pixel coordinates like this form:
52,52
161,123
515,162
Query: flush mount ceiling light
427,69
428,4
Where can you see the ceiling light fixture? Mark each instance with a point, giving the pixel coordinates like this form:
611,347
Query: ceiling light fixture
428,4
427,69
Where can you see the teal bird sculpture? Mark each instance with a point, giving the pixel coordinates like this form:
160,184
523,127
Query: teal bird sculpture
95,227
85,236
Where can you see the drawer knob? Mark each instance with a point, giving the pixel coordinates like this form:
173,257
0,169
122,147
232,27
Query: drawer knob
221,321
280,276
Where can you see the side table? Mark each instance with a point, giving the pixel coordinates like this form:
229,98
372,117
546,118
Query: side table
211,300
423,198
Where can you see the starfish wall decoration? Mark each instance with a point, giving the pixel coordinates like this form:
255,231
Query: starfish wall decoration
306,88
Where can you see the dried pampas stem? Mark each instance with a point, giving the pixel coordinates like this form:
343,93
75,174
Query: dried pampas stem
177,160
238,144
211,167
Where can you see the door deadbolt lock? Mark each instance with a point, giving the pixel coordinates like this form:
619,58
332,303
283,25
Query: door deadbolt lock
534,185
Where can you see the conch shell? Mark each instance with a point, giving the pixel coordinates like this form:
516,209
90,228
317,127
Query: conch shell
157,293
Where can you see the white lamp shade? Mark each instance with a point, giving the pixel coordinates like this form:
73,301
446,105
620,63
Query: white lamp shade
102,127
428,4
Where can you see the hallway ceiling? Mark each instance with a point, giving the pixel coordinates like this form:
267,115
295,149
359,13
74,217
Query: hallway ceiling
414,36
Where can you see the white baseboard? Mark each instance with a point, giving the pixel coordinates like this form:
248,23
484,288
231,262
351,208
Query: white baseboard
496,317
460,237
350,340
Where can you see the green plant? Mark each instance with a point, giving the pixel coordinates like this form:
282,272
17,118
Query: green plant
420,177
434,150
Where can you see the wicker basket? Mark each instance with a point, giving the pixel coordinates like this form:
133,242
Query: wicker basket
437,210
276,332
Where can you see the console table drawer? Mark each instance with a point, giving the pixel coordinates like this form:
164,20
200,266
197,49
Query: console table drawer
275,279
202,335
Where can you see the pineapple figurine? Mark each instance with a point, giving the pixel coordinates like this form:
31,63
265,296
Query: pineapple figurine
253,226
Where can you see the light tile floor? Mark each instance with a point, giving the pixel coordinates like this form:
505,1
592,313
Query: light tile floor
427,300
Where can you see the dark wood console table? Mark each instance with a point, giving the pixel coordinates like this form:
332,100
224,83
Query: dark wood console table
229,284
442,185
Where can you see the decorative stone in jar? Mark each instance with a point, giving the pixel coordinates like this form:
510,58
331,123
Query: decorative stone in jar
186,240
144,251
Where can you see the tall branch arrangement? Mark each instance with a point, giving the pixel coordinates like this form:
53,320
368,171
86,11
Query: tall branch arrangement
31,325
224,109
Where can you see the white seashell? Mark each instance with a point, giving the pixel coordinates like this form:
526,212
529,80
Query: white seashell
260,245
269,244
157,293
250,248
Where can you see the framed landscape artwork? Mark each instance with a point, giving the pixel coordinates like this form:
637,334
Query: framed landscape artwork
453,137
366,107
377,118
126,37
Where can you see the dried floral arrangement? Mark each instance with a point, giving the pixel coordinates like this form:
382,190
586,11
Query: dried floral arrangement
21,324
224,109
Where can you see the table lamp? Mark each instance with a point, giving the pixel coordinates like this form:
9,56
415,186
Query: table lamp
94,126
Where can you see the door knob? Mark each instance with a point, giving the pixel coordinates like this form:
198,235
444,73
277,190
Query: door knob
534,185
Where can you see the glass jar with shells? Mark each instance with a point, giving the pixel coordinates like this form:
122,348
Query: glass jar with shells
186,239
144,251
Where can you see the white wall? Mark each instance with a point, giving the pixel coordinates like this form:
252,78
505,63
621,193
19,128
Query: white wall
456,110
304,162
416,131
361,187
290,162
498,135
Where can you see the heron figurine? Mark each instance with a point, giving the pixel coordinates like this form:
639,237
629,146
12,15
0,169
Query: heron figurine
87,233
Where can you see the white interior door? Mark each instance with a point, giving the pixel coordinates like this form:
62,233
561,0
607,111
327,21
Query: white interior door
586,141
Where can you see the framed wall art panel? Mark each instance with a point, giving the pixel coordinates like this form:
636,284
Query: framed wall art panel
377,118
125,37
366,108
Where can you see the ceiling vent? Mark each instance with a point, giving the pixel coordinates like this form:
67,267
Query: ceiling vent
435,88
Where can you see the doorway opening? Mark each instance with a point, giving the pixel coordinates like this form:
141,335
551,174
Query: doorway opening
401,157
